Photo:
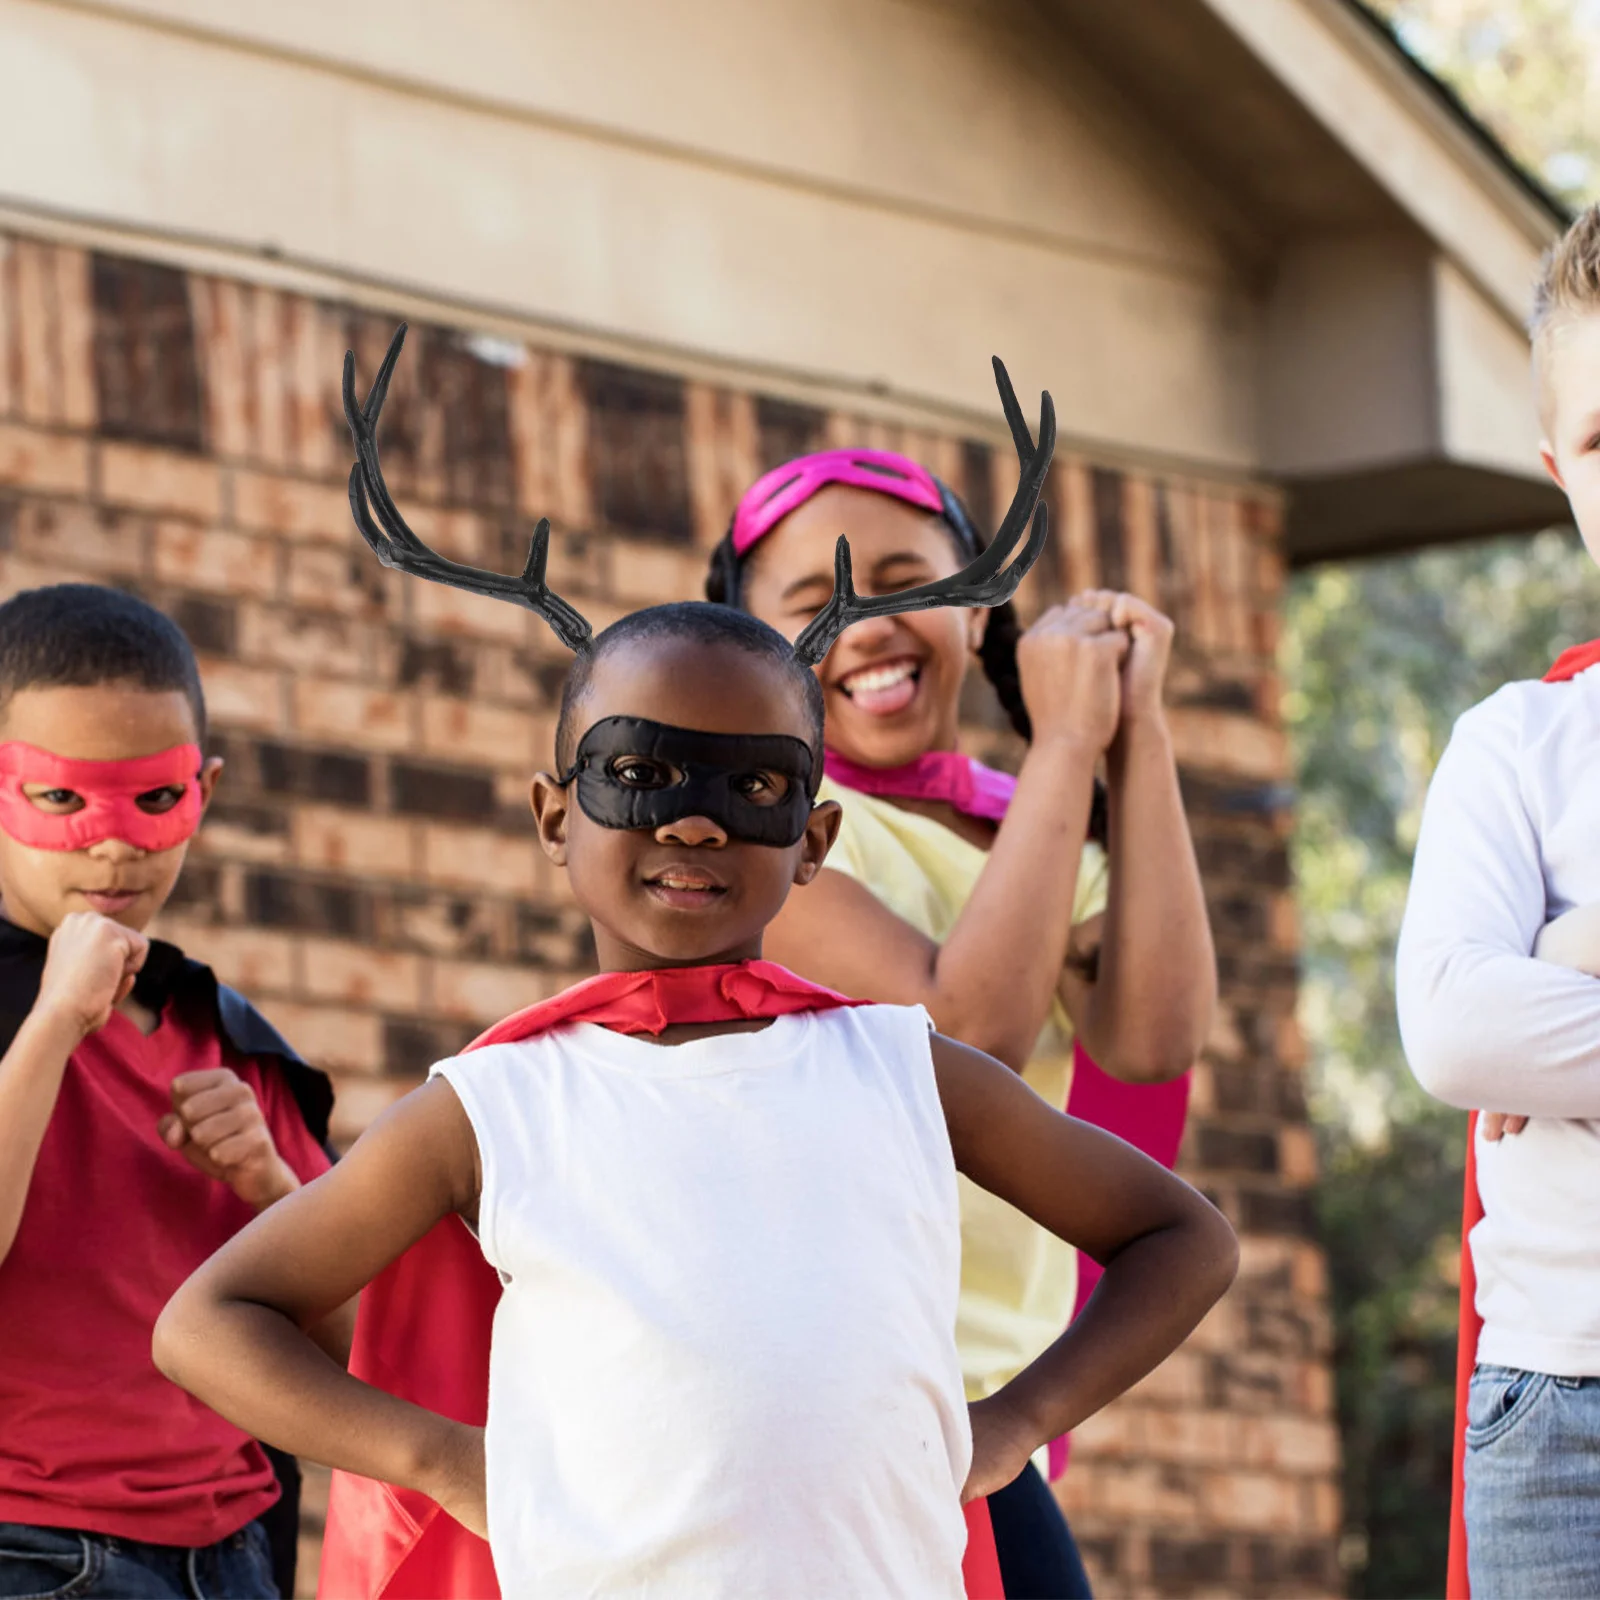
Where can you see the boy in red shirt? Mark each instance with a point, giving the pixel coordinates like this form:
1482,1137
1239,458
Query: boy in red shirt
147,1113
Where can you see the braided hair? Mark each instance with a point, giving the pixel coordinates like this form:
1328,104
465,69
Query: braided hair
997,655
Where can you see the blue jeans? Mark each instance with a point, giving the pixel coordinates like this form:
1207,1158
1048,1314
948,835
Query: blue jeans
1533,1486
59,1564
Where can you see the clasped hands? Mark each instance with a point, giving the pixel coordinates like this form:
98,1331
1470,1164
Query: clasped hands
1094,668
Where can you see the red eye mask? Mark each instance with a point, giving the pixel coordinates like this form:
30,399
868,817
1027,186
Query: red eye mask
109,790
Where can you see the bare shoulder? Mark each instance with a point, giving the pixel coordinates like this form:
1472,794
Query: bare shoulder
980,1094
428,1134
1083,1184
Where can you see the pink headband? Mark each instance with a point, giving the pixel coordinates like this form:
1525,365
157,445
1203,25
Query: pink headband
110,791
771,498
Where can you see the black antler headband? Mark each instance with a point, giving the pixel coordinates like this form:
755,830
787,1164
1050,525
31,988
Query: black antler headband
986,581
395,545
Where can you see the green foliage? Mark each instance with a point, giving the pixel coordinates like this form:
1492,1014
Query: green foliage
1530,70
1380,659
1391,1216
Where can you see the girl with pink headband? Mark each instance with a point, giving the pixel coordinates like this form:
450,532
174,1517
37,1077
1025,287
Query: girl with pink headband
1035,917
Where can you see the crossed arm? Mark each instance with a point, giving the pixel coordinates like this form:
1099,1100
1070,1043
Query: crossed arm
1486,1025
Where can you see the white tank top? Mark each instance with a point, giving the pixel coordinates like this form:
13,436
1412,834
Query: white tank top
724,1363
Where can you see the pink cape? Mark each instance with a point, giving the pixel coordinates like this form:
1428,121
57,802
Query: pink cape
423,1329
1150,1117
972,788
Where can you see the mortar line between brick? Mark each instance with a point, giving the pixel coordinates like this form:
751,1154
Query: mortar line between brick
872,401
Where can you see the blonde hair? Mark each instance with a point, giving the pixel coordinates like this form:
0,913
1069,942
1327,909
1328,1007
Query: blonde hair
1568,286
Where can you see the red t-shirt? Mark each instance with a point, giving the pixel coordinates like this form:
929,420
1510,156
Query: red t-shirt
91,1435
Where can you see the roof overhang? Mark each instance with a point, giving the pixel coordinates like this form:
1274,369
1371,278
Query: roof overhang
1236,236
1394,245
1412,504
1397,402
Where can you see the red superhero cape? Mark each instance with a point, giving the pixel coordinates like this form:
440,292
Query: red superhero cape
423,1328
1568,665
1455,1583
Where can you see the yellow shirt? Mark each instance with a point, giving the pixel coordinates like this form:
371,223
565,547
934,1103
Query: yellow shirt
1018,1282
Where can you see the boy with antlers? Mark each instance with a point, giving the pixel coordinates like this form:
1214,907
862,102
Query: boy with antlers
720,1200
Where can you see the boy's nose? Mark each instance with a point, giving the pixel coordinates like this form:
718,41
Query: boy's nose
692,831
114,850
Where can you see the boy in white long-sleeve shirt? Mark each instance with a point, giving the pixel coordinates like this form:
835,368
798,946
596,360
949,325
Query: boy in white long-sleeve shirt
1510,842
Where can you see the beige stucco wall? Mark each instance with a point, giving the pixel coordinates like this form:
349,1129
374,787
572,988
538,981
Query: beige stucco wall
865,191
1349,371
858,201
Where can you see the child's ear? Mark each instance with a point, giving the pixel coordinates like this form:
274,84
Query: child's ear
821,830
549,802
210,771
1548,456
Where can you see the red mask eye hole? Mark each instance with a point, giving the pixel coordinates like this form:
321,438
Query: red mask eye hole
56,801
156,802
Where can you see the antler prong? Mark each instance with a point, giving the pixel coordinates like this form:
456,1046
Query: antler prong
1018,424
396,545
538,553
986,580
380,384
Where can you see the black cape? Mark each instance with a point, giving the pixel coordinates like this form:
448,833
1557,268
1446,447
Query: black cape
169,977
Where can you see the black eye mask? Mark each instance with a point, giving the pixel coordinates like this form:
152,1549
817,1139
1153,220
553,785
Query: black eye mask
632,773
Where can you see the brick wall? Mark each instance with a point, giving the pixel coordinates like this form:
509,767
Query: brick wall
368,872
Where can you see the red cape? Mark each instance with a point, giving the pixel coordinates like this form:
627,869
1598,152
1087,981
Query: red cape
1568,665
423,1328
1455,1583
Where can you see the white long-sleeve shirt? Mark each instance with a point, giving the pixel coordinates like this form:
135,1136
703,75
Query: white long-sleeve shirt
1511,839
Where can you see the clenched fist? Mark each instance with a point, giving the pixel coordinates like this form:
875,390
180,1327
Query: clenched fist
1070,664
1144,671
217,1126
89,970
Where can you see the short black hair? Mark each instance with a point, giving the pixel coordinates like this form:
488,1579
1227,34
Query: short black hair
75,635
704,623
